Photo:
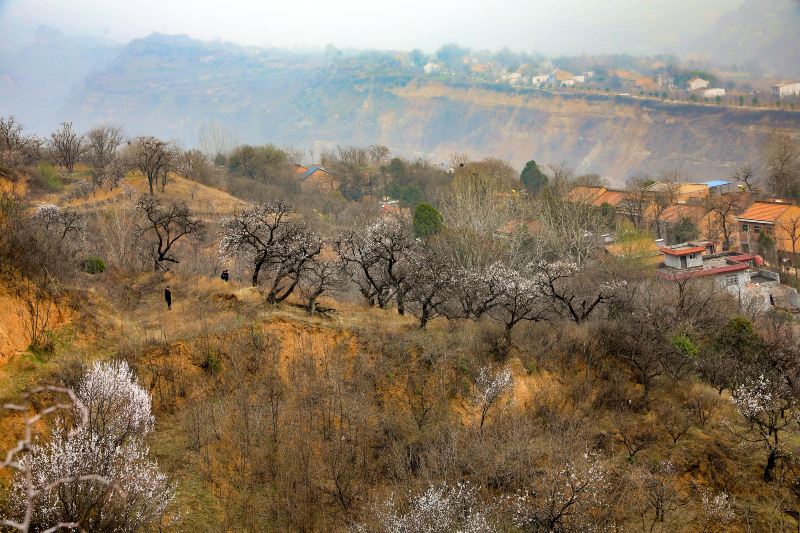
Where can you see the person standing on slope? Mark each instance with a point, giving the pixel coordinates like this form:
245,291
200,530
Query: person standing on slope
168,297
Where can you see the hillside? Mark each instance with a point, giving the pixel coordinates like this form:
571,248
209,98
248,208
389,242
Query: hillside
174,86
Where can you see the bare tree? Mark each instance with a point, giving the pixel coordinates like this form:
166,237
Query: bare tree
102,144
320,275
782,161
669,186
559,282
638,199
67,146
790,231
167,225
746,178
154,158
66,222
430,283
725,206
16,148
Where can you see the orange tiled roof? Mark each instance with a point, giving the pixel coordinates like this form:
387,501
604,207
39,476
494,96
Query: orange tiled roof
585,194
612,198
675,212
684,251
764,211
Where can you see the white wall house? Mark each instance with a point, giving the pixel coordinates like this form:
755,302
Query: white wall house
539,79
696,83
786,88
713,93
431,68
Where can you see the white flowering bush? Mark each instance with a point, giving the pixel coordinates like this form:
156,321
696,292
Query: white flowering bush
490,387
97,474
119,408
568,497
717,510
439,509
768,405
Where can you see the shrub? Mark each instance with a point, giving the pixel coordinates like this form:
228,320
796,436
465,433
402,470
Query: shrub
94,264
685,345
427,221
46,176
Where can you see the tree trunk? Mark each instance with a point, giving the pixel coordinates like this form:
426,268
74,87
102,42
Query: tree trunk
771,460
256,271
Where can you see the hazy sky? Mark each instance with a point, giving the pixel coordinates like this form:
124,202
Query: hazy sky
553,26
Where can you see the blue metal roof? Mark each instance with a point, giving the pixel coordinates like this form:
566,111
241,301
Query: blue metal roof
717,183
310,171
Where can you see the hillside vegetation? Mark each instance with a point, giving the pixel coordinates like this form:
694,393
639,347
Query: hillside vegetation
207,356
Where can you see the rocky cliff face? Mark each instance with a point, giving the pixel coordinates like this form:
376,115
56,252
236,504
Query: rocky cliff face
613,136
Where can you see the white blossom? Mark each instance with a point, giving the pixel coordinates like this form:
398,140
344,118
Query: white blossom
439,509
107,445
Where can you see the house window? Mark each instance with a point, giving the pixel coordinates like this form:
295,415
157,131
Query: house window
692,256
769,231
731,280
745,228
757,229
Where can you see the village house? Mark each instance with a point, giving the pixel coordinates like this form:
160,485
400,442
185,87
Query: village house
741,274
431,68
779,220
579,79
720,187
539,79
705,222
785,89
696,84
596,196
681,192
665,81
558,76
713,93
315,179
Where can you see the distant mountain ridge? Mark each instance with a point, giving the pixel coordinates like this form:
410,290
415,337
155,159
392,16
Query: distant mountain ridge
761,33
173,86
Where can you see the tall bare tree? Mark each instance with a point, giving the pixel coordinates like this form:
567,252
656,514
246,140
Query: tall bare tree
67,146
154,158
16,148
790,231
724,207
745,176
167,225
782,161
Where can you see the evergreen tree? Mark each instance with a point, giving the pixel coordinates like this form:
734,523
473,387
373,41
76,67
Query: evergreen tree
533,178
427,221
